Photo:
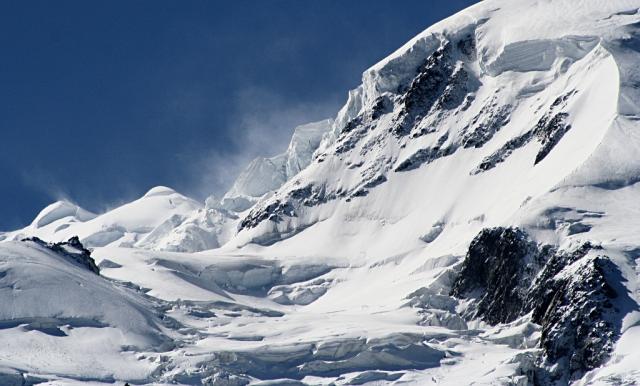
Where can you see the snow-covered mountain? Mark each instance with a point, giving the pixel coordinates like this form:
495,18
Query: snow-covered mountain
470,216
166,220
264,175
126,225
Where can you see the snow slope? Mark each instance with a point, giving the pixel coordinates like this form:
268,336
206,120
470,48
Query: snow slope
59,319
469,216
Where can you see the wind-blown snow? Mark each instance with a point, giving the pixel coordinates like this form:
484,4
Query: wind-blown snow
264,175
59,210
334,262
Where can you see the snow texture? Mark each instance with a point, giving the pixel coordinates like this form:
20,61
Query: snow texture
469,216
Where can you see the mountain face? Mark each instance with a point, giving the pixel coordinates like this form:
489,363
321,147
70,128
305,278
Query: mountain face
469,216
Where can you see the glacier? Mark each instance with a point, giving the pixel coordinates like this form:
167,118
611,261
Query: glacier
469,216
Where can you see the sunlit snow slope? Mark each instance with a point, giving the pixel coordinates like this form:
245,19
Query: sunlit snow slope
470,216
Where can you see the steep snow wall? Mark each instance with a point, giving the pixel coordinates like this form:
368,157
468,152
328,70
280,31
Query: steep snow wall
470,158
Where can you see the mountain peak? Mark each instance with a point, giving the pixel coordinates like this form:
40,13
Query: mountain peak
61,209
264,175
159,191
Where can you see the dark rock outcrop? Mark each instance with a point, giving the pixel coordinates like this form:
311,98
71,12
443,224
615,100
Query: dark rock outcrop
383,105
577,331
503,153
272,212
485,125
549,129
501,263
570,294
442,81
426,156
425,89
309,195
72,250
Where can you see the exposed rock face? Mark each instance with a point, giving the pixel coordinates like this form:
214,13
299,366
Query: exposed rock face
309,195
576,329
427,155
503,153
485,124
425,89
442,82
503,263
549,129
569,294
72,250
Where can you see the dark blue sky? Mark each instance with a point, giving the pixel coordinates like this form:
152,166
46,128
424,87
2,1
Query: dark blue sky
101,100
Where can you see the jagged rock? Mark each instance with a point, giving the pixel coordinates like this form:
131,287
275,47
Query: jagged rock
425,89
441,81
383,105
357,128
568,294
375,181
72,250
502,263
503,153
461,84
554,264
425,156
310,195
549,132
272,212
576,330
485,125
